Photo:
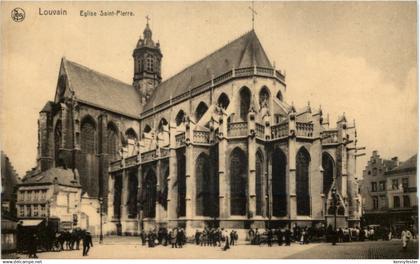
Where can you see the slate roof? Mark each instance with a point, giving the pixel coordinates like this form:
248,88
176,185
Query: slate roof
246,51
101,90
408,165
64,177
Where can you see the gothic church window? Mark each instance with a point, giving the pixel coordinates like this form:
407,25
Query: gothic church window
112,141
149,201
223,101
264,97
163,125
328,174
238,182
203,185
245,103
302,182
132,194
180,117
88,131
200,111
279,190
279,96
57,141
181,182
259,182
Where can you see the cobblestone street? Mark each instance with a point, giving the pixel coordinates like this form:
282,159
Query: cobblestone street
129,248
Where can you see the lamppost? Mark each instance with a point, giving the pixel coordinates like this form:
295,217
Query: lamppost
101,237
334,197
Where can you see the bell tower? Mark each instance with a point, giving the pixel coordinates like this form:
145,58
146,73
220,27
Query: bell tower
147,63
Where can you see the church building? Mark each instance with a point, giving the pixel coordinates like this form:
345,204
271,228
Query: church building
214,145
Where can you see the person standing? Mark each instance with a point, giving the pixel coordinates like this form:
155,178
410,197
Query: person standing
227,242
87,243
173,235
405,237
232,238
269,237
287,235
33,246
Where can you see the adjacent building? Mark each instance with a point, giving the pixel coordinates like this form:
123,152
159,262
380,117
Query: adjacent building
9,179
389,191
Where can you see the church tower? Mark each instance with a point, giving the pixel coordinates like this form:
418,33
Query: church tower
147,63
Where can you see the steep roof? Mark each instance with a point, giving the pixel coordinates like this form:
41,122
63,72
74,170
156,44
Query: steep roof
63,177
408,165
101,90
246,51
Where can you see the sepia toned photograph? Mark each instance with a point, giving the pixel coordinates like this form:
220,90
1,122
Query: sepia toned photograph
209,130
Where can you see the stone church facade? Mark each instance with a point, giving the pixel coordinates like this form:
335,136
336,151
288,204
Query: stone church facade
216,144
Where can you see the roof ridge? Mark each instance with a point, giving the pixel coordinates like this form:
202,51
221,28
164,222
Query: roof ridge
95,71
209,55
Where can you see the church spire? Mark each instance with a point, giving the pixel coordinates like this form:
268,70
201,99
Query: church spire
147,63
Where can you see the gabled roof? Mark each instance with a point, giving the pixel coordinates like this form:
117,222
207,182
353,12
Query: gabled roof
406,166
246,51
101,90
64,177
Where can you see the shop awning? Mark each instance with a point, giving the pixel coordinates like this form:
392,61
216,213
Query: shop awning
31,222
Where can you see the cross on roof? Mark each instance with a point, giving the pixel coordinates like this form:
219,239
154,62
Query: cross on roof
253,13
148,19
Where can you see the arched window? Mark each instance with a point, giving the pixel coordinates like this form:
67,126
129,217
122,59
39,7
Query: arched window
279,96
259,183
238,182
163,192
149,202
279,190
131,134
163,125
180,118
132,194
223,101
112,141
302,182
245,104
328,177
147,129
203,185
57,142
117,195
181,182
88,130
200,111
264,97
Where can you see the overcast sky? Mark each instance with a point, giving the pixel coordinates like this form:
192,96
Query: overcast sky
352,57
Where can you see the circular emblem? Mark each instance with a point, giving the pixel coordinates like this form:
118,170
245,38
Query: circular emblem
18,14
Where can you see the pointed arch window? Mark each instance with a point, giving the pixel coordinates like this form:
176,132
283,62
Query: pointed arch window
238,182
223,101
163,125
279,190
279,96
180,117
245,102
302,182
88,130
328,174
259,183
57,141
203,185
264,97
200,111
149,202
132,194
112,141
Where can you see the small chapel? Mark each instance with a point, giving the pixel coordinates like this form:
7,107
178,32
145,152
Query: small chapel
214,145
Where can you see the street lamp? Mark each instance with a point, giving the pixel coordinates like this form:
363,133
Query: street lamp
334,197
101,237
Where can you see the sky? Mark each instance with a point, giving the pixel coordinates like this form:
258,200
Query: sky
357,58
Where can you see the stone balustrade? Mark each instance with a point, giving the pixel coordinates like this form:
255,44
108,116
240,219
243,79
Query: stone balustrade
238,129
280,130
259,130
180,139
148,156
304,129
131,161
201,137
330,136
